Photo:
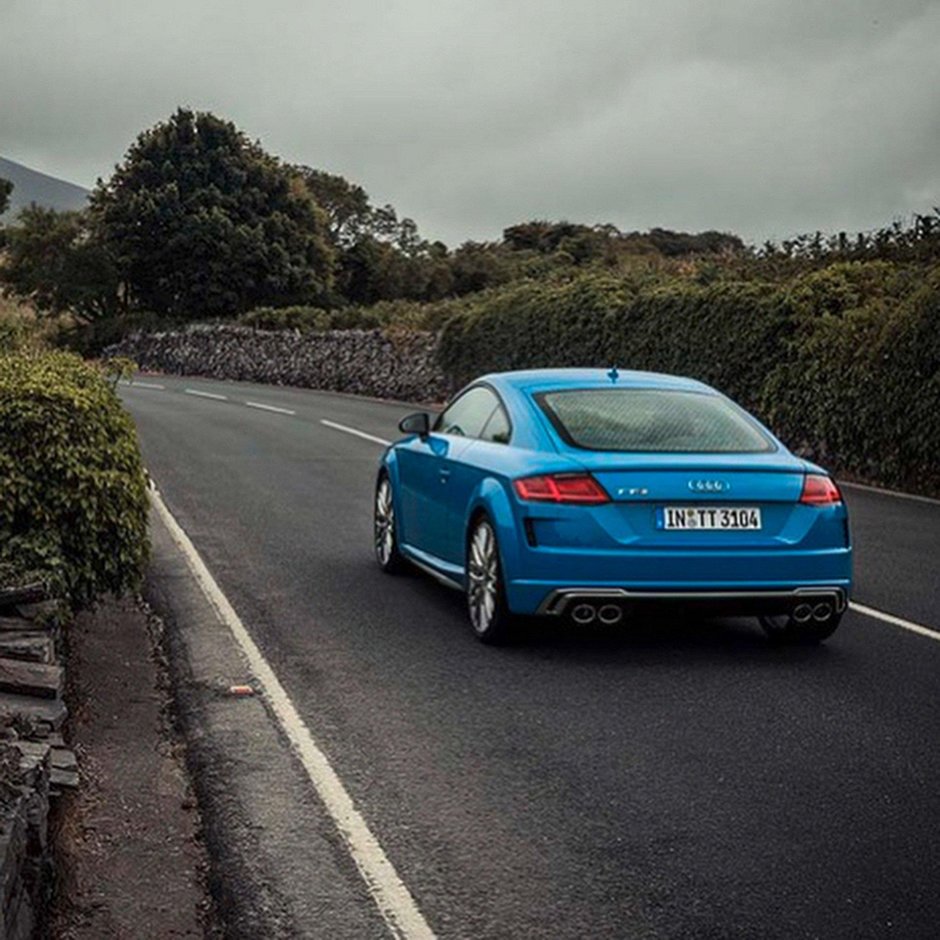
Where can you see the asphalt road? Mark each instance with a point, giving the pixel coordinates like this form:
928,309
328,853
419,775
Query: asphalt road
674,779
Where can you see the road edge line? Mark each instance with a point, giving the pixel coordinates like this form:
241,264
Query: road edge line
894,621
395,902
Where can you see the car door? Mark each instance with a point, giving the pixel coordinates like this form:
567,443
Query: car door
464,468
432,472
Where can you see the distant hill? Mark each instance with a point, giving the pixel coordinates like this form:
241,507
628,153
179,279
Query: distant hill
30,186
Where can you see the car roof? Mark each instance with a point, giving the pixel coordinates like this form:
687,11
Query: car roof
535,380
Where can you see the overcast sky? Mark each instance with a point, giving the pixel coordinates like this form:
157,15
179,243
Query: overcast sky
763,117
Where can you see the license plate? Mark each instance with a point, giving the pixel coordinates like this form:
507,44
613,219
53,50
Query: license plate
735,518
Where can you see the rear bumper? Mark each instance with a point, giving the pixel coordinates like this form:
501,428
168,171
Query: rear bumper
560,601
726,581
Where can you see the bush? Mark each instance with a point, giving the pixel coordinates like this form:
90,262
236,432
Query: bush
843,362
89,339
20,327
861,388
722,333
73,501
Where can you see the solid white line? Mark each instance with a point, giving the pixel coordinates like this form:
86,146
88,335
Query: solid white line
358,433
280,411
393,899
882,492
147,385
193,391
895,621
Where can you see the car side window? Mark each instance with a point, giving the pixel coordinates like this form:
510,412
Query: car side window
497,429
468,415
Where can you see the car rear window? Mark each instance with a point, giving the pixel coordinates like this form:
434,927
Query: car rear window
644,419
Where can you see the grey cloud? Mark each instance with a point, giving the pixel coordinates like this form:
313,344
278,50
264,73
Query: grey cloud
767,117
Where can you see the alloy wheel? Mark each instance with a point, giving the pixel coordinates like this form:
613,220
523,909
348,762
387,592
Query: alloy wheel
483,578
384,523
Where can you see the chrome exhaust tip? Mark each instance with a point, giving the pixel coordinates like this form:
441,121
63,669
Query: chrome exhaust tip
610,614
822,611
802,613
583,614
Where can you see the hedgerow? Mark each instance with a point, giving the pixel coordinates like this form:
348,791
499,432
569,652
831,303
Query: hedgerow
860,388
719,333
73,503
843,363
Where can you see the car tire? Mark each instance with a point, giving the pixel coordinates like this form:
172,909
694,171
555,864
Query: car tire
489,614
387,553
785,630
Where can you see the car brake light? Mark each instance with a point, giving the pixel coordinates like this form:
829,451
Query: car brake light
561,488
819,490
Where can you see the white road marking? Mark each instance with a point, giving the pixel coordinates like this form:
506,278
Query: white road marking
358,433
882,492
392,897
147,385
280,411
895,621
193,391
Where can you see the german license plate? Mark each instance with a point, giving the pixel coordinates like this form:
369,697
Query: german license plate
736,518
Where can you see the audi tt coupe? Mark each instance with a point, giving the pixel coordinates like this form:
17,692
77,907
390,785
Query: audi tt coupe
594,495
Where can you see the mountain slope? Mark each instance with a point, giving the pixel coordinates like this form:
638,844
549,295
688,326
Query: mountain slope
31,186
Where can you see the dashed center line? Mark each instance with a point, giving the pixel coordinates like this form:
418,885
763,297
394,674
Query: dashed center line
280,411
147,385
193,391
356,432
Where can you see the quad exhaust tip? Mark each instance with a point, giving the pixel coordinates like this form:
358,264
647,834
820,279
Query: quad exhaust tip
610,614
583,614
822,611
803,613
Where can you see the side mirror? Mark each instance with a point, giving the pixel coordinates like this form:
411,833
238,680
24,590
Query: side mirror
419,423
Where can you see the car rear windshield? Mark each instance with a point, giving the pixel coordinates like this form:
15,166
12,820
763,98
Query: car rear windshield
644,419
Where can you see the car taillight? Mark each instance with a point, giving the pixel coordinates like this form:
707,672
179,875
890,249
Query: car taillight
561,488
819,490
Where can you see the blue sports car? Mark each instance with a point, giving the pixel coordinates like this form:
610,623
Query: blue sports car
591,495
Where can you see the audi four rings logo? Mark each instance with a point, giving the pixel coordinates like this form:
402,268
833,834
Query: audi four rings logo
709,486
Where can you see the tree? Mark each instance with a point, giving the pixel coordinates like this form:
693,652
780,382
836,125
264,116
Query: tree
353,218
347,207
203,222
55,260
6,187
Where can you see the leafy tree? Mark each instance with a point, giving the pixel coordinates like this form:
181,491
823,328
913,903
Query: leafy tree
353,218
55,260
6,187
203,222
348,210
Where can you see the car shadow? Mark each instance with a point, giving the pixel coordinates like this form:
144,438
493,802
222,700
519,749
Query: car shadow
649,638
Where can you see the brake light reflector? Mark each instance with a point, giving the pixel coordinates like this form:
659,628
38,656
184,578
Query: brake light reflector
819,490
561,488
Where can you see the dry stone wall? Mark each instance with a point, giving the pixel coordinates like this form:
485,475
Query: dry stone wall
378,363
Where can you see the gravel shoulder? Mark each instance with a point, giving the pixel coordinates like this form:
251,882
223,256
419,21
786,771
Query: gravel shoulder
128,845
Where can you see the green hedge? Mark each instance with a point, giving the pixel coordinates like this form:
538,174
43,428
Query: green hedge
861,388
843,362
720,333
73,500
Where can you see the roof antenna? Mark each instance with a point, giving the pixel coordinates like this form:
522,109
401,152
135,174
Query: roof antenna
614,374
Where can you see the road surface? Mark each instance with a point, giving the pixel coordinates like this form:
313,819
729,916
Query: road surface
680,779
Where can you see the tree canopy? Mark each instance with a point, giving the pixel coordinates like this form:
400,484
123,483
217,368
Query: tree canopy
6,187
201,221
54,260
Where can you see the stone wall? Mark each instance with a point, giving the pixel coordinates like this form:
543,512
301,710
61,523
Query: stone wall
35,764
378,363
